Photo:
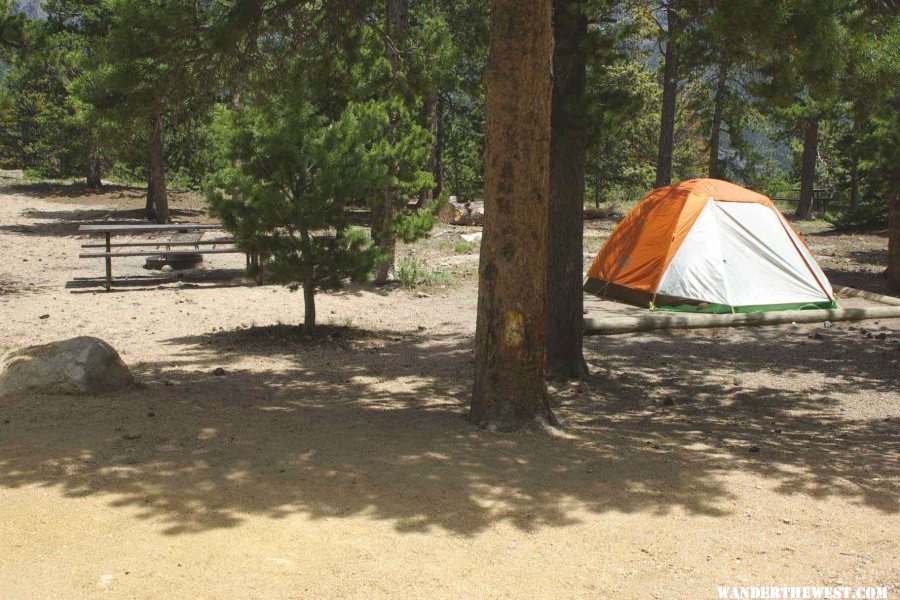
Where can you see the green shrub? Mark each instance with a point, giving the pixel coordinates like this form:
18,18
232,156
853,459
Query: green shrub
465,248
867,213
412,273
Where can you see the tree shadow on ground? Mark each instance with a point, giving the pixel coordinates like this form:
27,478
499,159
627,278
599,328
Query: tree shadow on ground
372,424
868,280
78,192
65,223
10,286
193,279
70,191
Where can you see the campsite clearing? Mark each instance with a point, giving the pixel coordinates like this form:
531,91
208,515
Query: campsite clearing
343,466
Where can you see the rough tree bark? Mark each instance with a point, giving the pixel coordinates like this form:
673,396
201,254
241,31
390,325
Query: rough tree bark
93,167
669,97
715,132
854,163
236,162
509,389
808,169
383,216
434,105
893,269
568,148
157,197
150,205
309,308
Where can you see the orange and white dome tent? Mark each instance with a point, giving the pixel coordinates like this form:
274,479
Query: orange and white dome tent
707,245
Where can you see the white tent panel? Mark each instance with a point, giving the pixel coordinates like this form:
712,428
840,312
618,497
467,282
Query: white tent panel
807,255
697,270
763,266
742,254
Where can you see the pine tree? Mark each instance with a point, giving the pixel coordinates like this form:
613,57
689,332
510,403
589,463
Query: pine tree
12,28
806,43
509,389
147,82
568,153
289,172
670,39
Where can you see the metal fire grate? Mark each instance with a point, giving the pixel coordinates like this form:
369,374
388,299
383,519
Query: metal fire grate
186,237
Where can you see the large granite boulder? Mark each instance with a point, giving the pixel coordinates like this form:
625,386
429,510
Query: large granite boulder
81,365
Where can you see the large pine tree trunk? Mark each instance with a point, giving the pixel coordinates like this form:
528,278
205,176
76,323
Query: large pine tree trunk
715,132
893,270
309,308
437,153
808,168
669,98
150,204
157,197
854,163
383,217
512,292
568,147
93,168
433,116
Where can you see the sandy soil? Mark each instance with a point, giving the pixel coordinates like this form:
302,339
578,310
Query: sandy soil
343,467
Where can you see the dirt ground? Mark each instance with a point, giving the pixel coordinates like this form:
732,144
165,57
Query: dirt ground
344,467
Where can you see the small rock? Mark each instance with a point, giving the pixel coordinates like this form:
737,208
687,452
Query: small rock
827,324
881,336
44,317
753,449
218,371
151,414
869,336
131,435
168,383
818,336
166,268
668,401
779,431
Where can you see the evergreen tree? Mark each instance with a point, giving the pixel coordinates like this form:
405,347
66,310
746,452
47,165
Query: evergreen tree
805,43
288,172
509,389
12,27
150,81
669,41
568,154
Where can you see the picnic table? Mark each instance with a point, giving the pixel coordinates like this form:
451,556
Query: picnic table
821,198
186,235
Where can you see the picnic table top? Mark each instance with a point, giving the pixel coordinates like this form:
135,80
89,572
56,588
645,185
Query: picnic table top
146,227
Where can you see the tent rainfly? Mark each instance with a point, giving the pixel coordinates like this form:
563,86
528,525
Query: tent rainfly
706,245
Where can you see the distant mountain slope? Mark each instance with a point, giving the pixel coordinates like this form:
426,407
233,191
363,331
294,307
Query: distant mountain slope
31,8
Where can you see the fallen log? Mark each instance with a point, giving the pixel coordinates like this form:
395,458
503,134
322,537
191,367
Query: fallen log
613,325
849,292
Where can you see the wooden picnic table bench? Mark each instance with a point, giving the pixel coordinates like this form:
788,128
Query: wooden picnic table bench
185,235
